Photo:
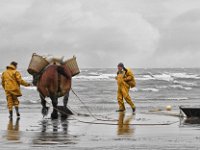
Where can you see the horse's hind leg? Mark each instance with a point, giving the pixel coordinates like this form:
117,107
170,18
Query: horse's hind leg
65,101
54,114
44,107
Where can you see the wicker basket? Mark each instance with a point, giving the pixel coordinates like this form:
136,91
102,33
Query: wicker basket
37,64
73,66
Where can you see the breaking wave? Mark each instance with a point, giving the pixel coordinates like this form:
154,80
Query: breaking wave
95,76
185,76
185,83
149,90
174,86
145,90
180,87
168,77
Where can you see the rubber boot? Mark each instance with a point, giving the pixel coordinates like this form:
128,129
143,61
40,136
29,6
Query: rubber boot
11,114
17,112
133,109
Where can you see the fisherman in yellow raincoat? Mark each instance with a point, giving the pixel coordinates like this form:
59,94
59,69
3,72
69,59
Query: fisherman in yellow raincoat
11,81
125,80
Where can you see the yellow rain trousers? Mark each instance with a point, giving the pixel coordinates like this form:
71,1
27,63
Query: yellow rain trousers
12,101
123,93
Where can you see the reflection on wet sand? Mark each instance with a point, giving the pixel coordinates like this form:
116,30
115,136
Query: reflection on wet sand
124,127
13,133
54,132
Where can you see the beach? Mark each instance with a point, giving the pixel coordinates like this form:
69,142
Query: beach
34,132
151,128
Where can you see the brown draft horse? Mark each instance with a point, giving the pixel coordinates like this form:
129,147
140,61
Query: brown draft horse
54,82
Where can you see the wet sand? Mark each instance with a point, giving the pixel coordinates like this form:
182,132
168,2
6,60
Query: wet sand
34,132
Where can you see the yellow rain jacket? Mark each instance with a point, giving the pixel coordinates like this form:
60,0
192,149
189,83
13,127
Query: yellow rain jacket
11,81
123,81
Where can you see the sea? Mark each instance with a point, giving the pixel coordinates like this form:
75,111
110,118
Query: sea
96,94
156,88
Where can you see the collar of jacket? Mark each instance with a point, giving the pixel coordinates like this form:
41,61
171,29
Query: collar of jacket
11,67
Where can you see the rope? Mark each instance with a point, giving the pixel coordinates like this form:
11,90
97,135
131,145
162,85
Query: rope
91,114
131,124
84,104
106,123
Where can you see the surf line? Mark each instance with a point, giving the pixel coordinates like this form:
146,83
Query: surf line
107,121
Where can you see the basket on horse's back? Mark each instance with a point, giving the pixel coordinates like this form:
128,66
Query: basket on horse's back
37,64
72,65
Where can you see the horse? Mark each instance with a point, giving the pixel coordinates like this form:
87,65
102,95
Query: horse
55,81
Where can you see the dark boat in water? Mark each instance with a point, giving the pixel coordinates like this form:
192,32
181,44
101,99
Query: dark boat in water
191,112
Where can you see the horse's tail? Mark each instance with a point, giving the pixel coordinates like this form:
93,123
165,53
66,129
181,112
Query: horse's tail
63,71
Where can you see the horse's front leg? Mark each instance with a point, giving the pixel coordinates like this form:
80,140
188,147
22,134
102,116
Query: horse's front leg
54,114
45,109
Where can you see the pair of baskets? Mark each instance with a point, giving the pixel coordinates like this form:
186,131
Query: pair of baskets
38,63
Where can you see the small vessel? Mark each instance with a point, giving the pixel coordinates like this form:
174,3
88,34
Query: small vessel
190,112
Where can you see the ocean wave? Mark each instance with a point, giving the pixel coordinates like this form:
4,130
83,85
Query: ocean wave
168,76
150,90
84,70
163,77
99,75
159,77
174,86
191,84
185,76
95,76
145,90
180,87
145,78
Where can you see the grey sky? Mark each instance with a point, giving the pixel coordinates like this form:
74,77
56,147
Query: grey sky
141,33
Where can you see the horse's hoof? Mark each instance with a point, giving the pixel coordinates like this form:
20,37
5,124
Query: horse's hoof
64,116
45,111
54,116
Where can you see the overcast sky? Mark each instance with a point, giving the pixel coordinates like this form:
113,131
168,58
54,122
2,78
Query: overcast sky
101,33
